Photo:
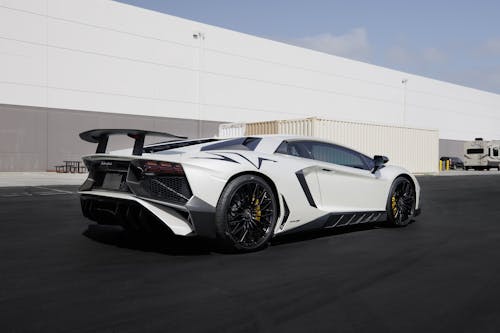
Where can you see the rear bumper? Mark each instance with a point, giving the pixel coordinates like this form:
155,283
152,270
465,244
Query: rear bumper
144,194
196,217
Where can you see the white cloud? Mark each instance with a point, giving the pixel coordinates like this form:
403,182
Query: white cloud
483,74
353,44
433,55
400,56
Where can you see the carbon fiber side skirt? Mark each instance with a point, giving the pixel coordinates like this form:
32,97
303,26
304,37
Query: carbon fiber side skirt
334,220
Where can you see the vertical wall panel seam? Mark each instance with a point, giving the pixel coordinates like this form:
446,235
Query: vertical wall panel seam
46,84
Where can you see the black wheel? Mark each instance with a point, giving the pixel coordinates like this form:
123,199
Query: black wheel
401,202
246,214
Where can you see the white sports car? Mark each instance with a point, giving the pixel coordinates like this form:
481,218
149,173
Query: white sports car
242,191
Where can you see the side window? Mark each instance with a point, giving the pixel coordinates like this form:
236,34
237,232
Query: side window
295,148
337,155
368,162
326,152
495,152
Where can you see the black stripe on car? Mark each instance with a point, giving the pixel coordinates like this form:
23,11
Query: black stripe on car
228,159
305,187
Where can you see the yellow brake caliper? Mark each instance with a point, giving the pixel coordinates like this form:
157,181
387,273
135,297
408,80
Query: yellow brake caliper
258,212
393,206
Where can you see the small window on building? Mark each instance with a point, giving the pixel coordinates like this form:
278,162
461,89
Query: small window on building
475,151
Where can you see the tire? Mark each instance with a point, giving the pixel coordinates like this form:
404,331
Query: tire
246,214
401,202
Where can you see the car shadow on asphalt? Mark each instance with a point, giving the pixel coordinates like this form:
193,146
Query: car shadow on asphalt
160,242
167,243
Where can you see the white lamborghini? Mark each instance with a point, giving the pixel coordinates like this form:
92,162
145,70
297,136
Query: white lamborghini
242,191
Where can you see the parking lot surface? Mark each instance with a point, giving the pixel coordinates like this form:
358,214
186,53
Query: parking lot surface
62,273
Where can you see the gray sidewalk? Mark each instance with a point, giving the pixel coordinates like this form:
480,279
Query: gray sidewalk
10,179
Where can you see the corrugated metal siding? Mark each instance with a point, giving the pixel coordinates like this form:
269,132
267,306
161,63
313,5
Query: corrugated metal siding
302,126
232,130
265,127
413,148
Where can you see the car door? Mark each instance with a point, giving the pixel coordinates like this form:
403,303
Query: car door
344,176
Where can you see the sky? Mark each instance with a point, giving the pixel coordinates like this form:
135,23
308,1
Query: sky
455,41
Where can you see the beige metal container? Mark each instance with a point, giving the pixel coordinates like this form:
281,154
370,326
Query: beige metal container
413,148
232,130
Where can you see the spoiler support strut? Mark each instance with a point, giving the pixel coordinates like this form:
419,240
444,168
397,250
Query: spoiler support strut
101,136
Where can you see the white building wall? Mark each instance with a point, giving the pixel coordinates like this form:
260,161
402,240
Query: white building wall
100,55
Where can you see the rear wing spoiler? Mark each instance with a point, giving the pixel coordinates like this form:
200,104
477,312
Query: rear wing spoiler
101,136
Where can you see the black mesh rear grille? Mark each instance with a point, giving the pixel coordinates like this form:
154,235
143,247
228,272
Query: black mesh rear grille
159,180
168,188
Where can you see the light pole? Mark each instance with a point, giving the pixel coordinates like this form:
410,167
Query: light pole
404,82
200,36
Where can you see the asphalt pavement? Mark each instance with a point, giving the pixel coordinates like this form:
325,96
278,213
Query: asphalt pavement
62,273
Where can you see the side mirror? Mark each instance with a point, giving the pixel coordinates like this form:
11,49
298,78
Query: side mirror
378,162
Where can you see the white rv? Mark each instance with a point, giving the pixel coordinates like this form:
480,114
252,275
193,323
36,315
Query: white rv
481,155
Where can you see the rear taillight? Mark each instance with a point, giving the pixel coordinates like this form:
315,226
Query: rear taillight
160,167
